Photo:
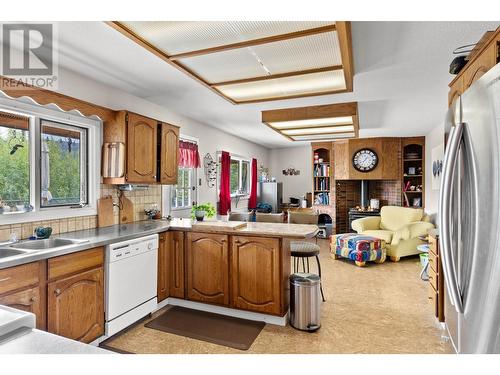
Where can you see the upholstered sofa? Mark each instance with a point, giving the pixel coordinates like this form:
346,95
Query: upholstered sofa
399,227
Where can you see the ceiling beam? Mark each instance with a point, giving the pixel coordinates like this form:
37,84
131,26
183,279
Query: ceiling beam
311,112
345,43
255,42
279,75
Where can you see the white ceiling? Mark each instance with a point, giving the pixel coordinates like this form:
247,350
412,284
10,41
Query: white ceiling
400,82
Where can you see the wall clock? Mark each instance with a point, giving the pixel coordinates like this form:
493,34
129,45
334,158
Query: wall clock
365,160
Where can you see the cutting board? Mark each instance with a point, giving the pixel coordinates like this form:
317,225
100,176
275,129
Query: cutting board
219,226
127,210
105,212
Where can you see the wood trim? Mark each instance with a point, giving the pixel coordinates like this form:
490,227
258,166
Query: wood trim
122,29
17,89
277,131
14,121
255,42
74,263
280,75
345,42
310,112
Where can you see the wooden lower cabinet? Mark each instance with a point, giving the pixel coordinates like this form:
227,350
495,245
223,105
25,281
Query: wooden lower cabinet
436,278
163,267
253,289
207,260
176,272
76,306
27,300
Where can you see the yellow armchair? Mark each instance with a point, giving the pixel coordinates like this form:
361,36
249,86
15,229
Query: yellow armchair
399,227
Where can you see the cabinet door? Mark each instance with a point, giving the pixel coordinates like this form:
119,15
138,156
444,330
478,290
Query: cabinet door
255,274
208,268
27,300
455,90
484,62
169,149
76,306
163,266
142,149
177,265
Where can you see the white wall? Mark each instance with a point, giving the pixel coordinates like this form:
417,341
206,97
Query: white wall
433,139
211,140
293,157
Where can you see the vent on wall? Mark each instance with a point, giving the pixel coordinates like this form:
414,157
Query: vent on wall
253,61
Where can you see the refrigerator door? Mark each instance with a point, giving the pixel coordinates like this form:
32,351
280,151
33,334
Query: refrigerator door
477,262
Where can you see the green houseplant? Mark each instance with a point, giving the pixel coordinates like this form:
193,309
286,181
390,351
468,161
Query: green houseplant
199,211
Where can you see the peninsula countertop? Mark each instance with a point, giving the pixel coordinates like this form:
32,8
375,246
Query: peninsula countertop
116,233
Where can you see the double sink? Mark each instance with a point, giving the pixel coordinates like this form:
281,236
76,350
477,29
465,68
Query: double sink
29,247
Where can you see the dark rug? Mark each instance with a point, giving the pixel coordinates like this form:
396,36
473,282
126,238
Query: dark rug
215,328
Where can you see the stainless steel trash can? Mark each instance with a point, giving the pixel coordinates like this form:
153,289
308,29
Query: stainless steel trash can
305,301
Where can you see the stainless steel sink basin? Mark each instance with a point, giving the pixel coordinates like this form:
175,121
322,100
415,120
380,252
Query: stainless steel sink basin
6,253
50,243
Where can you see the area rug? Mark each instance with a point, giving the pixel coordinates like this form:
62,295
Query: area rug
215,328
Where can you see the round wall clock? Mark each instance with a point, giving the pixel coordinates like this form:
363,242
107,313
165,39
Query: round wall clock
365,160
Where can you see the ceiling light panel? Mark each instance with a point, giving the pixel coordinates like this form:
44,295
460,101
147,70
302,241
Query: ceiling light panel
309,52
325,130
174,37
345,120
316,83
323,137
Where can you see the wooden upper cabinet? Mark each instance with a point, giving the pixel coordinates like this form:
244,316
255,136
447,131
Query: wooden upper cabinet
141,149
163,266
207,268
255,274
176,272
456,89
484,62
169,158
340,162
76,306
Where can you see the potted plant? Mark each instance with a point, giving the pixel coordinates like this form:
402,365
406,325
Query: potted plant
199,211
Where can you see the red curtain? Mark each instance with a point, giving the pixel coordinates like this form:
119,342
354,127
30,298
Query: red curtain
188,155
252,201
225,192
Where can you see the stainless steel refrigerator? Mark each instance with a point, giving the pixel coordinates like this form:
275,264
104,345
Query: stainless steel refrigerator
271,193
469,217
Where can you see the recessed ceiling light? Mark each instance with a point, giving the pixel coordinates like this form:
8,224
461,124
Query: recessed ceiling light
345,120
323,130
323,137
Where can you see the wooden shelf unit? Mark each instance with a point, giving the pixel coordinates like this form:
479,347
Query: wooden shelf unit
322,173
410,197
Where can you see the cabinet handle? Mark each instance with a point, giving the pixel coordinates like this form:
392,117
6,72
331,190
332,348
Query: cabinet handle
32,299
57,292
237,242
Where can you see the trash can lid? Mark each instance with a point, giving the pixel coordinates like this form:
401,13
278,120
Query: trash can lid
304,278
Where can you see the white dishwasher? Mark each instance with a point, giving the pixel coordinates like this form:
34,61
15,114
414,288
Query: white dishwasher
131,270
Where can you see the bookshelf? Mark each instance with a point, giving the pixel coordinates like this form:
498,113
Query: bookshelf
413,172
322,173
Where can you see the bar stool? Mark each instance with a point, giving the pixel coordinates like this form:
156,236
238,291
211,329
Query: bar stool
303,250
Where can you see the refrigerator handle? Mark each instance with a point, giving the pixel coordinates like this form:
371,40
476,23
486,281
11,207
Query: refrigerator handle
445,206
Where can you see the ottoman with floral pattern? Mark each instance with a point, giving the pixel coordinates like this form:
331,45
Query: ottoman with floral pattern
357,247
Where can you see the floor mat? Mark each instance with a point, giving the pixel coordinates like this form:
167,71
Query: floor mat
215,328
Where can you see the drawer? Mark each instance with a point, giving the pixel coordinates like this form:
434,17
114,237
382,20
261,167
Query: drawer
433,261
433,299
18,277
433,278
73,263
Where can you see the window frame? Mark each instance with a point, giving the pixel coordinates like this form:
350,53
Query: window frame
189,188
36,113
241,160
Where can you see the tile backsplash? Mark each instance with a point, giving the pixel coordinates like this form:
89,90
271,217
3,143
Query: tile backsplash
142,200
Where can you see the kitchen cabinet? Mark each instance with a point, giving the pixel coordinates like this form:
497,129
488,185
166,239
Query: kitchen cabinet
22,287
169,153
252,289
151,149
177,265
436,278
75,295
207,268
163,266
142,148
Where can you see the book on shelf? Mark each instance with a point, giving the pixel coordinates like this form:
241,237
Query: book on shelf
322,170
322,199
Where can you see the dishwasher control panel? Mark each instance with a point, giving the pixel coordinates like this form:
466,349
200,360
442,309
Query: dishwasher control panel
126,249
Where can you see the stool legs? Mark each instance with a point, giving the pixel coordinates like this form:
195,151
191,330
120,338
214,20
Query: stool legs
320,282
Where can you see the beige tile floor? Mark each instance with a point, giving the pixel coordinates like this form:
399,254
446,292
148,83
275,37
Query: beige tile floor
382,308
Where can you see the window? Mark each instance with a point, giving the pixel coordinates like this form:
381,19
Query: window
63,165
49,163
182,192
239,181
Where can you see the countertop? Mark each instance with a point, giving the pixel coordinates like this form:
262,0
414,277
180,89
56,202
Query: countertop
117,233
34,341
